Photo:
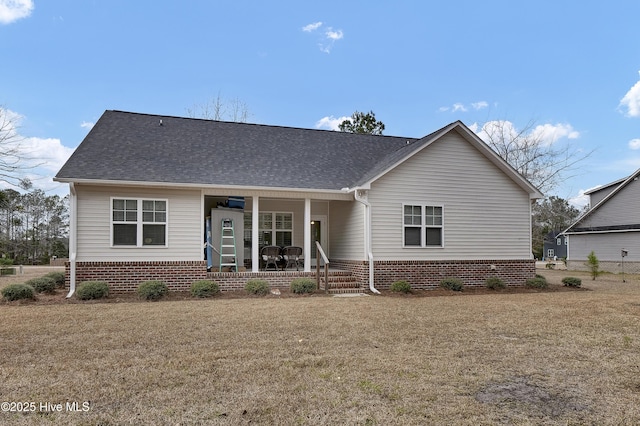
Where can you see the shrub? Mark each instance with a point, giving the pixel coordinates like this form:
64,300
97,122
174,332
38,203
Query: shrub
303,285
42,284
152,290
454,284
593,264
255,286
538,282
204,288
92,290
495,283
401,287
57,277
571,282
18,291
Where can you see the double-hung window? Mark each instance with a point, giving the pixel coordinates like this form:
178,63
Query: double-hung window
422,225
138,222
274,228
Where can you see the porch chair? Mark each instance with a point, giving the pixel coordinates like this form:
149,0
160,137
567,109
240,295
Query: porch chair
292,256
270,256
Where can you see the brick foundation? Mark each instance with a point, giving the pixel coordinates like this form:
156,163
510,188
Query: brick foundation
127,276
179,275
427,274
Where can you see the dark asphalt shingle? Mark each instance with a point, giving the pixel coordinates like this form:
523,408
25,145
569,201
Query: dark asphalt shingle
125,146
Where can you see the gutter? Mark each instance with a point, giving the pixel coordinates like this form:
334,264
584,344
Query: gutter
72,239
367,235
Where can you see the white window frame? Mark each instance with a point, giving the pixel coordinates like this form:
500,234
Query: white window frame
273,228
558,241
423,225
139,223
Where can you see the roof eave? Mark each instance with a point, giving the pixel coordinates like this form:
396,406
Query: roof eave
107,182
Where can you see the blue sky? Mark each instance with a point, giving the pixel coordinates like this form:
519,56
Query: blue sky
572,67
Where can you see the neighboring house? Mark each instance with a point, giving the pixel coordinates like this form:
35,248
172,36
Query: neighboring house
383,208
555,245
610,226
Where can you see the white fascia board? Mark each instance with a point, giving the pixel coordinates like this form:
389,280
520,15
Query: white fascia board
233,189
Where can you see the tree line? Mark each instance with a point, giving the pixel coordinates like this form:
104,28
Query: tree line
34,226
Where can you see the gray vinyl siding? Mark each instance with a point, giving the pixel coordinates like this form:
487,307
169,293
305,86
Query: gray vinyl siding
347,230
597,196
486,214
621,209
607,246
94,225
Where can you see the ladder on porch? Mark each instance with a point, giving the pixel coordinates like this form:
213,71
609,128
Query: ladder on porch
228,246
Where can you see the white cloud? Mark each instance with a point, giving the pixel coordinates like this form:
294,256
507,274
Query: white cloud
546,133
459,106
312,27
39,158
634,144
550,133
330,122
479,105
328,37
631,101
334,35
87,125
581,200
12,10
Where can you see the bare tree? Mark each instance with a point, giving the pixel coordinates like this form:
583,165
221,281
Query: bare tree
534,151
220,109
12,154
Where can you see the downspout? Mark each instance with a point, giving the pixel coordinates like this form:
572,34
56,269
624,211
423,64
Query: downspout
367,234
72,239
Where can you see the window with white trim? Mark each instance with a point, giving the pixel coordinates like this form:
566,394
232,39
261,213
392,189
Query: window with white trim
422,225
274,228
137,222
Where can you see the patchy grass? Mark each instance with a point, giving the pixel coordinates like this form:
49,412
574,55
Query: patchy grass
529,358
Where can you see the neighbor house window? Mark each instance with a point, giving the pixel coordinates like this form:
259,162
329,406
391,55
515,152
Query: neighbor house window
422,225
139,222
558,241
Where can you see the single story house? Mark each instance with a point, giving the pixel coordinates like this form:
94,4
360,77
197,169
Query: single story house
610,228
147,191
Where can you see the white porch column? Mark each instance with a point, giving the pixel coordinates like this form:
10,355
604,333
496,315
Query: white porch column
255,243
307,235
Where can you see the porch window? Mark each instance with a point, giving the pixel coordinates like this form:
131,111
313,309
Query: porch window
138,222
422,226
274,228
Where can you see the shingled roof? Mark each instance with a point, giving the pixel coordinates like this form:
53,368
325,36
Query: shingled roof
145,148
134,148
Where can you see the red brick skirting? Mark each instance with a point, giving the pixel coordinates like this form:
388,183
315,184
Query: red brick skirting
179,275
427,274
127,276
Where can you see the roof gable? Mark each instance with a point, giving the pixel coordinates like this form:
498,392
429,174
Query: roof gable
617,211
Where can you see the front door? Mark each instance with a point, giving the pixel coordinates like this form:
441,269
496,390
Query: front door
318,233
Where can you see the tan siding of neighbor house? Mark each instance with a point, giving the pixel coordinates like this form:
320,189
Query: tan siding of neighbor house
94,222
346,233
623,208
486,215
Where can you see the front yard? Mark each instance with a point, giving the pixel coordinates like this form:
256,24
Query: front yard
525,358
